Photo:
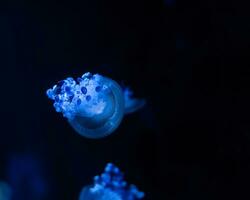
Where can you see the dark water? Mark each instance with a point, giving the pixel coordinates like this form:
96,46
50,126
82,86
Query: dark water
191,141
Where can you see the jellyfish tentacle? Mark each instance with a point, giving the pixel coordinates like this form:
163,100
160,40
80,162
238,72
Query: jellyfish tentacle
132,104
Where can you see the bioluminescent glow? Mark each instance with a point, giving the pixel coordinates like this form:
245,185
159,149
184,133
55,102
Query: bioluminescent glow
93,104
5,191
110,185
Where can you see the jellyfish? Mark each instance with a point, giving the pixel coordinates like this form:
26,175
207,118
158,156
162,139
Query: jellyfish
110,185
5,191
94,105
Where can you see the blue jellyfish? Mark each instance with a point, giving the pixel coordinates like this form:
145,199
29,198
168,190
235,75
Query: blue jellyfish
5,191
110,185
94,105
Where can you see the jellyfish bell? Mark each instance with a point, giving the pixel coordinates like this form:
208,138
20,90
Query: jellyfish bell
102,110
93,104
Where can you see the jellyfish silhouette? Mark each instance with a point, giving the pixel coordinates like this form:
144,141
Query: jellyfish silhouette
93,104
5,191
110,185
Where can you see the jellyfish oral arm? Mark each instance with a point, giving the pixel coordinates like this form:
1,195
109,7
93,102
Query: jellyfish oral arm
132,104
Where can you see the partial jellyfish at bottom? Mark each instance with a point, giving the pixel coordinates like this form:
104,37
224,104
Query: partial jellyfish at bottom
93,104
110,185
5,191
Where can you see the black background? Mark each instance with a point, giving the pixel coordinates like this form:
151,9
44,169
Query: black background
190,62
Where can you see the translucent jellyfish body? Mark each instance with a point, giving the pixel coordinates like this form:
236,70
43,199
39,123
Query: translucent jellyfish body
110,185
93,104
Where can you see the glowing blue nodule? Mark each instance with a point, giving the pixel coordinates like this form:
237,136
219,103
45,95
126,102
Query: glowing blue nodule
94,105
110,185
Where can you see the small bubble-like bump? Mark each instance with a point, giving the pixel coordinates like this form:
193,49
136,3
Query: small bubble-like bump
84,90
79,80
78,101
67,89
88,98
70,79
57,98
58,90
98,88
71,98
60,83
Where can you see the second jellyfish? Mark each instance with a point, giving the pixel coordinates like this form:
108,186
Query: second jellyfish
110,185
